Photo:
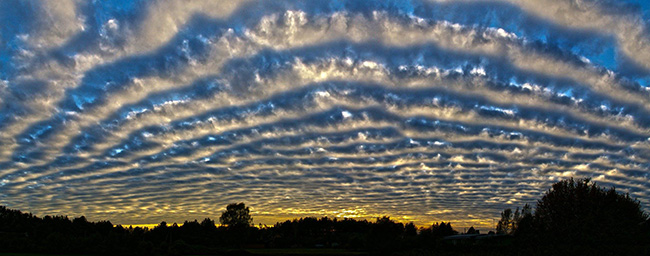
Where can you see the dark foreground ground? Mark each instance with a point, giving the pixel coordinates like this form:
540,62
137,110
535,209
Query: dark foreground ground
278,252
265,252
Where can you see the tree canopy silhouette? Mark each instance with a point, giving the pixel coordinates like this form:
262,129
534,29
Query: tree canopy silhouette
236,215
578,217
505,225
579,211
510,222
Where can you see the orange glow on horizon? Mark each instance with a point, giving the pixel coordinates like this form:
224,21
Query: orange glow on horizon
484,225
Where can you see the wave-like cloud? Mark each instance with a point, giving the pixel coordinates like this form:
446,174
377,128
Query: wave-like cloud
138,111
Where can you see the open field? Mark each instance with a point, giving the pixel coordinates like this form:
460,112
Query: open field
38,254
304,251
266,252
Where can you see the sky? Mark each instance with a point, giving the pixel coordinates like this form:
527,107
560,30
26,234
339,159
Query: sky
422,110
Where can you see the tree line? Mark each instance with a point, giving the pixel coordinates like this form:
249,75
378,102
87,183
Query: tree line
24,232
574,216
581,218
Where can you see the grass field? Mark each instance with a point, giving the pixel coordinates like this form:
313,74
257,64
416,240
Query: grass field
310,252
38,254
267,252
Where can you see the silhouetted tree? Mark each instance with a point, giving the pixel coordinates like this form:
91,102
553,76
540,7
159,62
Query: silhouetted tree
505,224
208,224
410,229
509,222
237,220
579,211
524,221
443,229
236,215
385,235
432,236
